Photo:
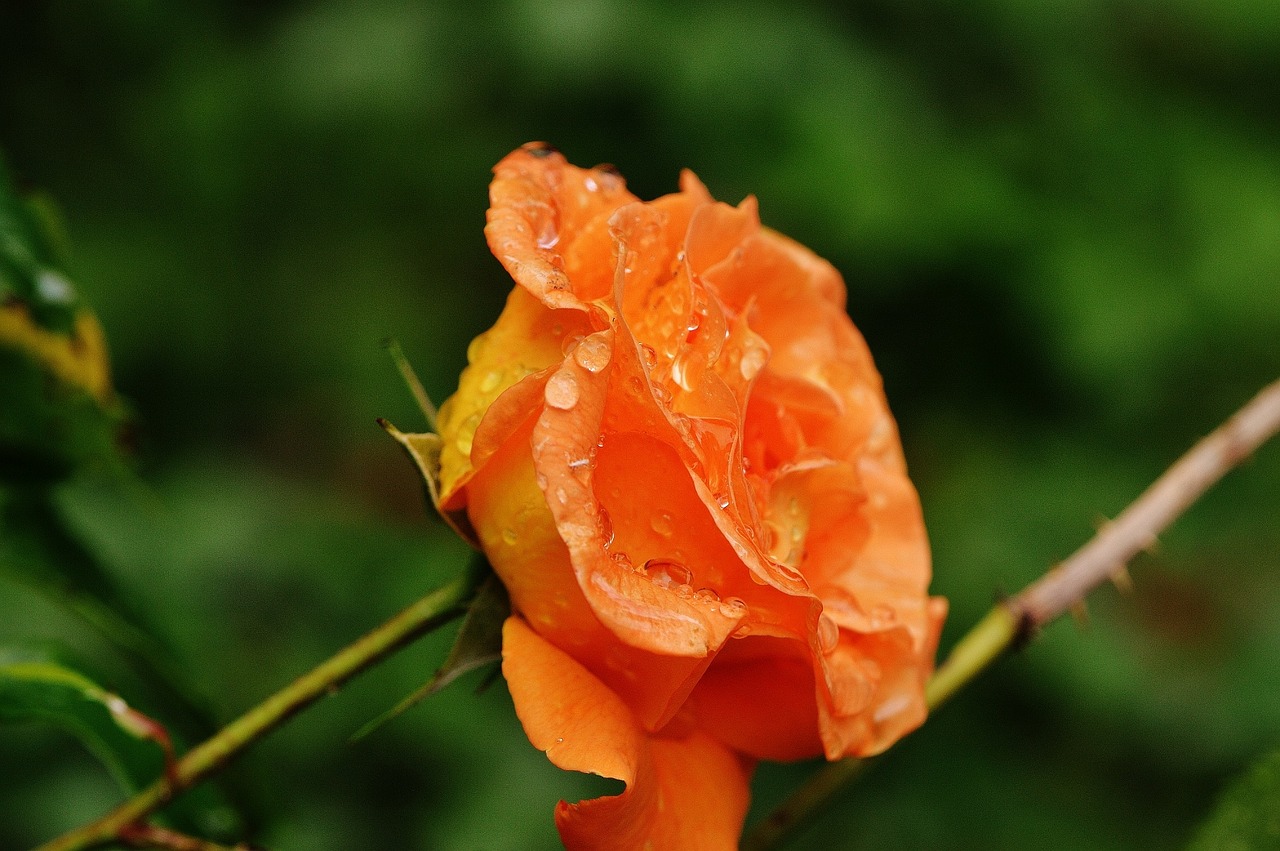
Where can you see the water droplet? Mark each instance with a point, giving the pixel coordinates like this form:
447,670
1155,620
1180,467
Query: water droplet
722,499
733,607
663,524
880,434
668,574
562,496
895,705
684,371
541,150
54,288
590,183
562,391
490,382
509,536
648,355
636,385
548,236
467,433
742,631
475,349
559,740
606,531
753,360
593,354
706,595
883,614
828,635
662,395
684,591
569,343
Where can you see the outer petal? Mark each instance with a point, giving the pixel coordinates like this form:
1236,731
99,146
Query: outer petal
688,792
542,224
525,340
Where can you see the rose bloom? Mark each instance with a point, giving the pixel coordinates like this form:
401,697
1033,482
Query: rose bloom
675,451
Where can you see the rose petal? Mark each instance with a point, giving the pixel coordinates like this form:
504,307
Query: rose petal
682,793
539,206
758,699
520,537
525,340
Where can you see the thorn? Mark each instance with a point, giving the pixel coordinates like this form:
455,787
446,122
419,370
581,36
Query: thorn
1080,613
1153,546
1100,522
1122,580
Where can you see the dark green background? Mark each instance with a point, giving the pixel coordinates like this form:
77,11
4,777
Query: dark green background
1060,227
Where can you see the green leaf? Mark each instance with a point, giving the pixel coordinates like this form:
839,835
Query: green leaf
1248,814
479,643
137,750
134,747
59,410
28,262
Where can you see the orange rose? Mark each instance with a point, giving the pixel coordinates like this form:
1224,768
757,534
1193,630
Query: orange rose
674,448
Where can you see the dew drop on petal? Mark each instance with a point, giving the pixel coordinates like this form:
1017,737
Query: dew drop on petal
569,343
593,354
490,381
549,235
509,536
467,433
475,349
828,634
753,360
668,574
648,355
606,530
620,558
663,523
562,391
882,614
733,607
706,595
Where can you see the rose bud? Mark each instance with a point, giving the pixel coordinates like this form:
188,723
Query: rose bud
674,448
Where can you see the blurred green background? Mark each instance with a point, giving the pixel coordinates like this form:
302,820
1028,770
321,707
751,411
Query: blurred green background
1060,227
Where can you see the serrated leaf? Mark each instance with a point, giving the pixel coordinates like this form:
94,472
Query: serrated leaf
1248,814
479,643
424,450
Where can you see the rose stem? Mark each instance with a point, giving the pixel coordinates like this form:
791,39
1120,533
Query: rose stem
433,610
150,836
1017,619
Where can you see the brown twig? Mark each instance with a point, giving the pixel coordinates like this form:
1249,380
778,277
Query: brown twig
152,836
1107,554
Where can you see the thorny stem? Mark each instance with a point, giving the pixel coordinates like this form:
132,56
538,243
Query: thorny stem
1018,619
426,614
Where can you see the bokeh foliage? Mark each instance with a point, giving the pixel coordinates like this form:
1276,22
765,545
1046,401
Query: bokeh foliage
1060,226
